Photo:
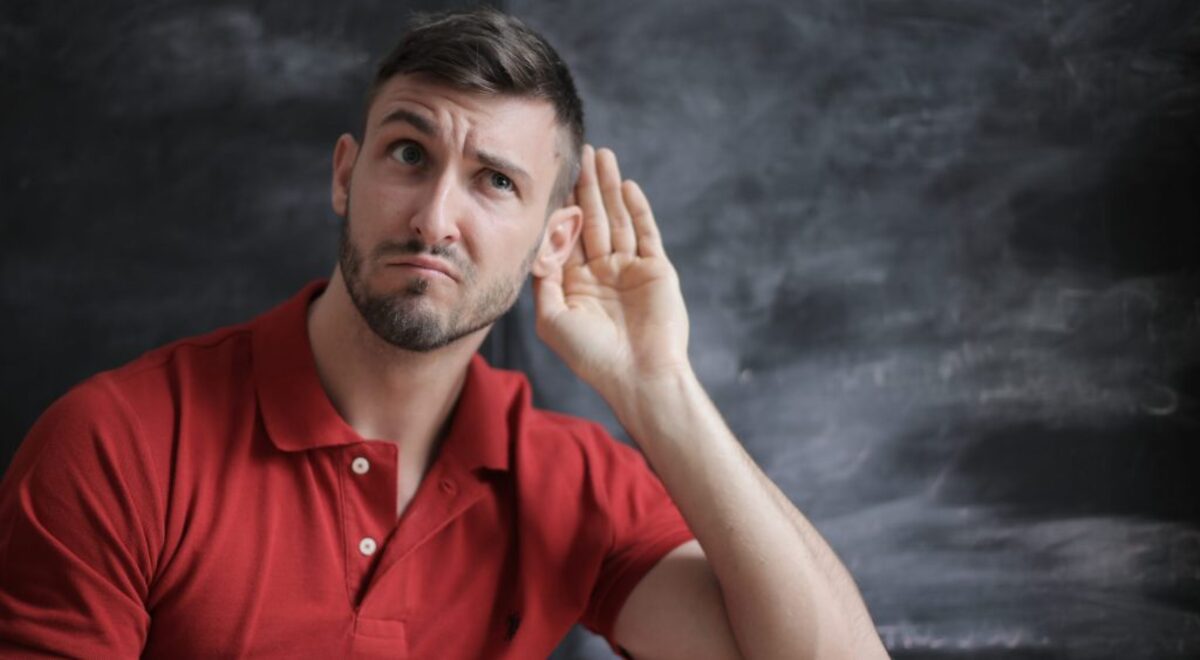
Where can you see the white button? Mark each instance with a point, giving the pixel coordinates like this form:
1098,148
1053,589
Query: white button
367,546
360,465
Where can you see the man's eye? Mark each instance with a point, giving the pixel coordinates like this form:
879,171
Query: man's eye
408,153
502,182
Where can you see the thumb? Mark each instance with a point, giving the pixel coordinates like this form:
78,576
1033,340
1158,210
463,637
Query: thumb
548,298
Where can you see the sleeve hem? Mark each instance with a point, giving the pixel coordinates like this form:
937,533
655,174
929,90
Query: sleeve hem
635,568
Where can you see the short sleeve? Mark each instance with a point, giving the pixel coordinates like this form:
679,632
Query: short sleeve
646,525
77,548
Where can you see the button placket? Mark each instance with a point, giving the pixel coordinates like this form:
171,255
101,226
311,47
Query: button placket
447,491
369,484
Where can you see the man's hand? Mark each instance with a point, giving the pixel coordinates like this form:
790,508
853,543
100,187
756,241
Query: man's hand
614,312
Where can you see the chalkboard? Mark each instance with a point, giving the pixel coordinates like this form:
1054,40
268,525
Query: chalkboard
940,258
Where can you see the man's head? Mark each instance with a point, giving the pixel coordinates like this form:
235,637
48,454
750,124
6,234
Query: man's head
490,53
470,147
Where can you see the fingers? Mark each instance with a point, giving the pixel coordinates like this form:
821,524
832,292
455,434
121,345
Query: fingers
617,218
597,237
620,226
649,241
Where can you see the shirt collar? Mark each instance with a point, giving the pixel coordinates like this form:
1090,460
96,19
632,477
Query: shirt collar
298,415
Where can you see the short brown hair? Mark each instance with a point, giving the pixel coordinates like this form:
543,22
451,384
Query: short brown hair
484,50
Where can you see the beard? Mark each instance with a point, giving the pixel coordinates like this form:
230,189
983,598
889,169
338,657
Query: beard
402,318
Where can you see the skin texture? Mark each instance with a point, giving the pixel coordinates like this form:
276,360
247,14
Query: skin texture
413,151
399,319
759,581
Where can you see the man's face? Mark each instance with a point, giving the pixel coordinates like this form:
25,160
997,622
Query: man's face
444,207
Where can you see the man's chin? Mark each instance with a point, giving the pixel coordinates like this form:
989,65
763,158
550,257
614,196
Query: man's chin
406,323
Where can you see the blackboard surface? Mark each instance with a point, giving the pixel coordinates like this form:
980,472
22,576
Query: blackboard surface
940,258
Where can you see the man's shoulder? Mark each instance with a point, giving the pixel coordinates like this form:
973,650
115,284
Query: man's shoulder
214,356
160,384
113,412
222,352
575,472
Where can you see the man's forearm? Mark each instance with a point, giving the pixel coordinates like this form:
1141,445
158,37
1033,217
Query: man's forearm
785,591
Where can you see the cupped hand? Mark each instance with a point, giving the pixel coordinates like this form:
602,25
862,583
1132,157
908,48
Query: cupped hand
614,311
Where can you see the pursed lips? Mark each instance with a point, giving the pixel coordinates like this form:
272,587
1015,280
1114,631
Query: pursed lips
426,264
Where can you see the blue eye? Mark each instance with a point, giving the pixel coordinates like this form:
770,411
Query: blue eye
501,182
408,153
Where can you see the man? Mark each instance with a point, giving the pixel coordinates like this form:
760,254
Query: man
343,476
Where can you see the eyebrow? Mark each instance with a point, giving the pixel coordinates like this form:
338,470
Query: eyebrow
418,122
426,127
504,165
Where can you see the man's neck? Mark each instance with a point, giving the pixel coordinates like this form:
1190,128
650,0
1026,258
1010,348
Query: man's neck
383,392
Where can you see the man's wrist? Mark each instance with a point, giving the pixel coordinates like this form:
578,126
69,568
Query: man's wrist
649,403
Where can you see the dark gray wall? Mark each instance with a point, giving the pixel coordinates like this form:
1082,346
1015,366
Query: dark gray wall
940,258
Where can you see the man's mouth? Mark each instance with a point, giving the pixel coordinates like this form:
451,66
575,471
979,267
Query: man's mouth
430,266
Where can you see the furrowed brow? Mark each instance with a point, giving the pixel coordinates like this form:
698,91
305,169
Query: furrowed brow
503,165
411,118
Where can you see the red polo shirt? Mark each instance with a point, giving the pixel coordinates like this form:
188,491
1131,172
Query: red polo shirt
207,500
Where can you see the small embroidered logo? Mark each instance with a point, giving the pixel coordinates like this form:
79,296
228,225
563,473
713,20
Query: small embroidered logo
514,622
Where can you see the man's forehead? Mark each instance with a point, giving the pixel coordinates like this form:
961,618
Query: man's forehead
440,106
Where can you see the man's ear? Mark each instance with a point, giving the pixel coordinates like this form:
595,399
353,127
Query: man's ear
345,152
562,231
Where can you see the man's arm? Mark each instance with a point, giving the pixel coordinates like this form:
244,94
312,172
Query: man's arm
785,593
768,585
79,532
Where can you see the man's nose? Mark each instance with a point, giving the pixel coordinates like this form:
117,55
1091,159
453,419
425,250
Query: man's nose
437,216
